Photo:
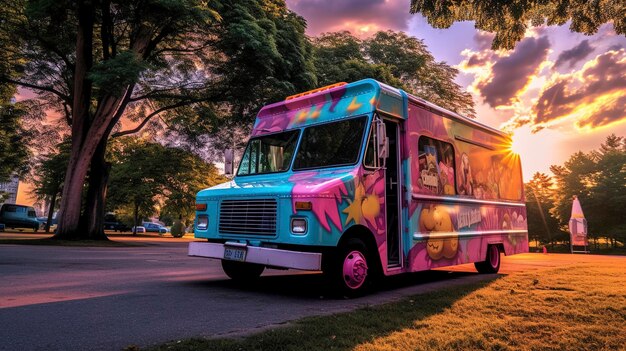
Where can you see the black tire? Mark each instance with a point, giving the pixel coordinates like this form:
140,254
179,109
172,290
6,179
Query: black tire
242,272
491,264
351,256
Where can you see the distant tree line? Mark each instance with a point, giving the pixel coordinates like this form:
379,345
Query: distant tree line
598,179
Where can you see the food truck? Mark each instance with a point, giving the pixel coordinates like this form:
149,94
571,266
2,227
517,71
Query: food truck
363,180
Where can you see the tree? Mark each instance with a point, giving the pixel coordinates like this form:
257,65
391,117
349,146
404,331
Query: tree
509,20
192,175
608,198
393,58
542,226
50,173
98,61
146,175
15,153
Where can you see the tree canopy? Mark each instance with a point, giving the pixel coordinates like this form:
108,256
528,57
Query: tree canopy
15,153
393,58
509,20
147,177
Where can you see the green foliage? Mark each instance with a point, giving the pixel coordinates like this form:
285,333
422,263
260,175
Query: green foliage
509,20
263,56
192,175
111,76
50,172
393,58
13,137
146,176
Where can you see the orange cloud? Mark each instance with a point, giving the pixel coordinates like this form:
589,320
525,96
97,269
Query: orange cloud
593,96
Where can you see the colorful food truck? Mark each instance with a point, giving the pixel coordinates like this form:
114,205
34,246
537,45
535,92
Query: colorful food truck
362,180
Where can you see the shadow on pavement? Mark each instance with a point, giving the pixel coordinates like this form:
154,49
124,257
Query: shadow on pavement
315,285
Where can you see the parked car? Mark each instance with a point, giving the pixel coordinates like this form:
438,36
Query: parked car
19,216
139,229
155,228
111,223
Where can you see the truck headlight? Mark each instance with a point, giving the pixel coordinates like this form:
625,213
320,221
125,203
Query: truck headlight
202,222
298,225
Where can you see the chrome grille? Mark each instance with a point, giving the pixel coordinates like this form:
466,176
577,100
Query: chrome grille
256,217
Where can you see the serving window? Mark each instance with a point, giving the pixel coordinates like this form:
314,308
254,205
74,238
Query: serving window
437,172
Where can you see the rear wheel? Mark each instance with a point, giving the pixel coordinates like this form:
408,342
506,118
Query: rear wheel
242,271
350,270
491,264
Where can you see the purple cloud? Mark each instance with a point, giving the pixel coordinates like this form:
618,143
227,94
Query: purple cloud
328,15
483,39
512,73
574,55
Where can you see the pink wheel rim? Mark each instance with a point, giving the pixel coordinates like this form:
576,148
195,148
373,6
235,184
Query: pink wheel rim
494,256
354,269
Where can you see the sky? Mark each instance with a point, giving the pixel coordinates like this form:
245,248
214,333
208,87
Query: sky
558,92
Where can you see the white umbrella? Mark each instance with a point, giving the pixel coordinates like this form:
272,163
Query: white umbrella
578,227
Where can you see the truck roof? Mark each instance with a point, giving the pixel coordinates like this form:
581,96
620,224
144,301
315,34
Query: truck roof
345,100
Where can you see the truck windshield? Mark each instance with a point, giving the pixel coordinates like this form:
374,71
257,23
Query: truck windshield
269,153
331,144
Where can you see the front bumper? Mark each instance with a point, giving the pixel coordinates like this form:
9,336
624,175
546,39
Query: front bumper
310,261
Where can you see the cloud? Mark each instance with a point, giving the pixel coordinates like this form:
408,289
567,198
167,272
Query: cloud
510,75
574,55
612,111
594,95
361,17
483,39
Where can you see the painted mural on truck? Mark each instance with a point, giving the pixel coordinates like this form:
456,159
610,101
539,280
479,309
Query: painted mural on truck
452,159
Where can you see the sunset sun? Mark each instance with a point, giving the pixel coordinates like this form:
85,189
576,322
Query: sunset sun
516,144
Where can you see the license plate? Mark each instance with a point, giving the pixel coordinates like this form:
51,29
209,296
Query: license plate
235,253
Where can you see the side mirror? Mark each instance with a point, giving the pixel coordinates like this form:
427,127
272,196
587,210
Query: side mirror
229,164
382,140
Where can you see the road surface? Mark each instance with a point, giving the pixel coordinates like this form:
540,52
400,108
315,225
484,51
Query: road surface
108,298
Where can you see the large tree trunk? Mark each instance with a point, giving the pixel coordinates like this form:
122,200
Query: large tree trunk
71,199
93,216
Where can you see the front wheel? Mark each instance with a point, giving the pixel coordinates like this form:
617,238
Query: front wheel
350,270
492,262
242,271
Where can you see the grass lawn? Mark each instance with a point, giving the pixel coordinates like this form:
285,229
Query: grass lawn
577,307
